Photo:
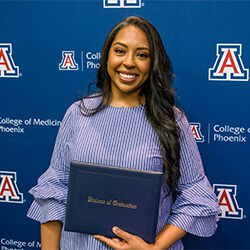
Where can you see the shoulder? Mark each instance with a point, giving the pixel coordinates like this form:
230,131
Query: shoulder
72,111
93,100
190,160
89,102
185,131
181,119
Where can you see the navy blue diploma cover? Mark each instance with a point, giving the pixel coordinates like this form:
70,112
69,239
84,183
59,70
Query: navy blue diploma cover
100,197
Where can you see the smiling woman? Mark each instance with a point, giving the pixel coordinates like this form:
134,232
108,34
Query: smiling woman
132,122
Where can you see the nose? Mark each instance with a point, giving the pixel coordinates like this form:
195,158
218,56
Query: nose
129,61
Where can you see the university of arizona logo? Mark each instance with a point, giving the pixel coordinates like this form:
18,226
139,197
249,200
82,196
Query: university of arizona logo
227,201
7,65
8,188
122,3
228,65
196,129
68,61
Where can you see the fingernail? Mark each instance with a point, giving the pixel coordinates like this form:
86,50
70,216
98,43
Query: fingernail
115,229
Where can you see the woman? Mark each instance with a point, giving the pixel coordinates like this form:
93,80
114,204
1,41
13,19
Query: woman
132,122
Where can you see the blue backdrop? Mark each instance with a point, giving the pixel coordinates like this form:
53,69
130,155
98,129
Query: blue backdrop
50,50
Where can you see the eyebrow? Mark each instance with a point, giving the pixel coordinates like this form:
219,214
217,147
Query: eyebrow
124,45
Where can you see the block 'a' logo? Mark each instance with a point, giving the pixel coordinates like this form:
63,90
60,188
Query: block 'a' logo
196,130
228,65
68,61
9,191
7,65
122,3
227,201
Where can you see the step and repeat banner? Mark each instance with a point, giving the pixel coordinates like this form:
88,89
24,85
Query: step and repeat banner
49,54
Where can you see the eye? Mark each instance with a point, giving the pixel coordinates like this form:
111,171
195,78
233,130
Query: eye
143,55
119,51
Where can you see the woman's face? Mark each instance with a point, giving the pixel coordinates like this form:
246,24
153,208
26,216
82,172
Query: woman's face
128,61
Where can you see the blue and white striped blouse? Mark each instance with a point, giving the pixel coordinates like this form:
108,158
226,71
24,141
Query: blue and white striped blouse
123,137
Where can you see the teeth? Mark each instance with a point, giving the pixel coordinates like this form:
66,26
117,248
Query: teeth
127,76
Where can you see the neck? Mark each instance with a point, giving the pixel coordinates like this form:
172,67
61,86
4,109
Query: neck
122,105
126,102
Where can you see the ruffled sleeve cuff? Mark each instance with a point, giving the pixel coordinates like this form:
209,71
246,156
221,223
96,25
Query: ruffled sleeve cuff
47,210
200,226
196,209
50,196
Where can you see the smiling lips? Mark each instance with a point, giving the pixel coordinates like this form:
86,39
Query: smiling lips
127,77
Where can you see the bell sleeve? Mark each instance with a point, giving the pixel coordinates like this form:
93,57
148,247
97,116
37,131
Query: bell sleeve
50,193
195,209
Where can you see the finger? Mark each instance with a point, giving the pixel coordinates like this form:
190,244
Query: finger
122,234
114,243
116,240
103,239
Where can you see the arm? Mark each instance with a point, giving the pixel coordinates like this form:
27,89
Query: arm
168,236
165,239
50,235
50,193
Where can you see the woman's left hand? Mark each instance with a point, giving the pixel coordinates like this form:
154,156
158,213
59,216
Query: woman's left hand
128,242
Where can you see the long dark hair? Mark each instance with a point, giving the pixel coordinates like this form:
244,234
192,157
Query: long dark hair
157,92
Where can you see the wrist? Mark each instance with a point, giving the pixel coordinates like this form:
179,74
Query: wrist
155,246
